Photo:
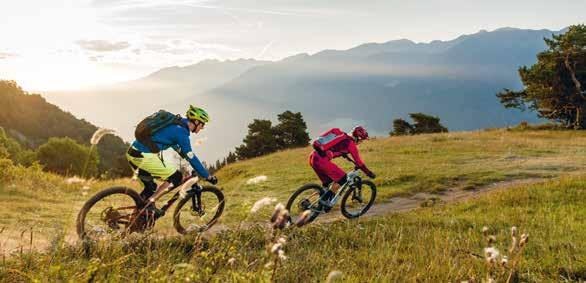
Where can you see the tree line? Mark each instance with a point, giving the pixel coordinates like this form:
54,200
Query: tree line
264,138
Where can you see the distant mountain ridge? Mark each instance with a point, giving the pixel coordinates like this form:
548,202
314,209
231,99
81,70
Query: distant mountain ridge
371,84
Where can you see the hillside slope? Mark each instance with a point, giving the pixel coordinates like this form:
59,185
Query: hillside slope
404,165
31,120
436,244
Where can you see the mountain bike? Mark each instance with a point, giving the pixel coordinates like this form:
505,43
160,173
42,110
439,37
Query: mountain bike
118,211
357,195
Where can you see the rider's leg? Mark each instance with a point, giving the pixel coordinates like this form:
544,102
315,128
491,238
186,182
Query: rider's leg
148,183
334,188
327,171
175,180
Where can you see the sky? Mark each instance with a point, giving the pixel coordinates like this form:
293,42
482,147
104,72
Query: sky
73,44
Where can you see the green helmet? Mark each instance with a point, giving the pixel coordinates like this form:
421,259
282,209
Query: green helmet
196,113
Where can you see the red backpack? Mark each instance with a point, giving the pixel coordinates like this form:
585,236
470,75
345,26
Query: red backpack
329,139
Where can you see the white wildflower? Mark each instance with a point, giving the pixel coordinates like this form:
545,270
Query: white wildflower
99,134
524,240
333,275
276,247
74,180
256,180
282,240
504,260
491,254
303,218
282,255
262,202
278,209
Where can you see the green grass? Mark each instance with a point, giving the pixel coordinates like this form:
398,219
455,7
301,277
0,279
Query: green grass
30,198
425,163
435,244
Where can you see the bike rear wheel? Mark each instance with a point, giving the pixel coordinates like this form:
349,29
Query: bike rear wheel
110,214
189,217
305,198
358,200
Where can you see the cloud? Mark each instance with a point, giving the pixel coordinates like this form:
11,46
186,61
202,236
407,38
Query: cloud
183,47
5,55
102,45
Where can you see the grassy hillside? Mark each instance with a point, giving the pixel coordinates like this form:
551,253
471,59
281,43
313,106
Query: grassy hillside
435,244
46,203
426,163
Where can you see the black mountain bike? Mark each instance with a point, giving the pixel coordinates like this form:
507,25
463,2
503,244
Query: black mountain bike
118,211
357,195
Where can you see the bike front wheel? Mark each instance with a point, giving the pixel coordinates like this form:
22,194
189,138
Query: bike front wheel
358,200
304,199
196,215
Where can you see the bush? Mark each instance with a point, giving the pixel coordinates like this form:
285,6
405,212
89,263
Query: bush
524,126
66,157
423,124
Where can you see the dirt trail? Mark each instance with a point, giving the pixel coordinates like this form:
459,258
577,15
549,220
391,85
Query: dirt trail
20,241
404,204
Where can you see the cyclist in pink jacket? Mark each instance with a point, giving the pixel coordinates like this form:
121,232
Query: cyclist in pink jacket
332,144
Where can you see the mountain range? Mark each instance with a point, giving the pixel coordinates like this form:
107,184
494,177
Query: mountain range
370,84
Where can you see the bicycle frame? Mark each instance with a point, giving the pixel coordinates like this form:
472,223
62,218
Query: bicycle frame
194,193
351,176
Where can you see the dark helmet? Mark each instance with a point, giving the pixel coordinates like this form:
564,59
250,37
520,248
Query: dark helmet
359,133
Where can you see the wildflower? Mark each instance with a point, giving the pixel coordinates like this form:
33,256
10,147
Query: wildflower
504,261
303,218
524,240
282,220
491,254
276,247
514,245
485,231
282,255
231,261
262,202
513,231
99,134
256,180
74,180
278,208
491,239
282,240
333,275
